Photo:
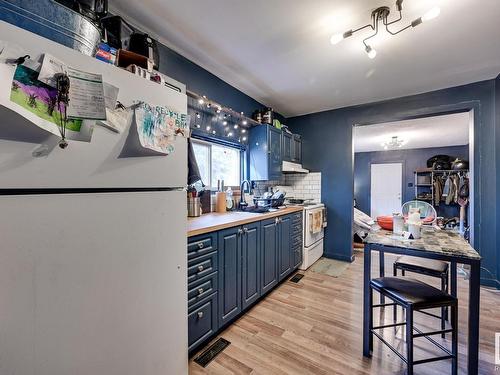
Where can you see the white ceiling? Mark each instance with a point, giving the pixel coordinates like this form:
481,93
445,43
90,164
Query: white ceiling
279,52
437,131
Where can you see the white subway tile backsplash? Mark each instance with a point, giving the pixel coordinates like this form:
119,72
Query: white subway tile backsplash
299,186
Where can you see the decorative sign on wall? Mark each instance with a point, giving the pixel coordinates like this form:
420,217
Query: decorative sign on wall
158,126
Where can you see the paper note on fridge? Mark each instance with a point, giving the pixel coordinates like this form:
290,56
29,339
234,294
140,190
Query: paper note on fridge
51,67
86,95
22,92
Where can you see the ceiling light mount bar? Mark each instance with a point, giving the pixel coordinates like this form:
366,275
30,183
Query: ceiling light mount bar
381,15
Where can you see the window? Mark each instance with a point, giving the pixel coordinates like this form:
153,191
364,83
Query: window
217,162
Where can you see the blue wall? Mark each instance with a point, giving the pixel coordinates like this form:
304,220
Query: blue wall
330,133
411,160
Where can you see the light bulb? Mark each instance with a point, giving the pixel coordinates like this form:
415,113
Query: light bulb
224,123
201,101
235,126
245,122
230,134
371,52
336,38
431,14
208,128
244,139
243,130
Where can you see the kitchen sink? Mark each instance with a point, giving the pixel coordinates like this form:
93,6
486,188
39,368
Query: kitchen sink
254,210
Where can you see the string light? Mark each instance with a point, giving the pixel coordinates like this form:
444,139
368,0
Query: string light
243,130
208,128
230,134
235,126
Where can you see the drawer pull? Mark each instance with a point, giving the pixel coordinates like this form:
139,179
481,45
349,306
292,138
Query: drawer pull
200,314
201,245
200,291
200,268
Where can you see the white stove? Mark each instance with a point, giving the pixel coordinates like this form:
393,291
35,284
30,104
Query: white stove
314,223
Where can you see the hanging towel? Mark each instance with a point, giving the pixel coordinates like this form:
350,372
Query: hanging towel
193,170
317,222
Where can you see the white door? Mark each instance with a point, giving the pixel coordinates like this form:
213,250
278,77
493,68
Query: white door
386,186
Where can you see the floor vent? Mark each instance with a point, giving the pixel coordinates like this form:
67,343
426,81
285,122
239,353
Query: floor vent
296,278
211,352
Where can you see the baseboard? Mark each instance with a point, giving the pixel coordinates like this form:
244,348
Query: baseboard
489,283
342,257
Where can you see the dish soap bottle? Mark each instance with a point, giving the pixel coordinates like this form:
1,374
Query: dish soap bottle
229,199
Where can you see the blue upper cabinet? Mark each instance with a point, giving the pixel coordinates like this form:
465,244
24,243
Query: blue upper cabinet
230,274
250,253
265,153
286,146
296,150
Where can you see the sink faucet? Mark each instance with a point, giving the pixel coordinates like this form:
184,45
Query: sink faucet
243,203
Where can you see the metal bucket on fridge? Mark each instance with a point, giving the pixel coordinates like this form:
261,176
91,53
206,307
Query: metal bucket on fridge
52,21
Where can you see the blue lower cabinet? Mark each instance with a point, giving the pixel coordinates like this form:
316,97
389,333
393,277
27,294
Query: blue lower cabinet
285,253
229,270
202,321
250,264
269,254
230,274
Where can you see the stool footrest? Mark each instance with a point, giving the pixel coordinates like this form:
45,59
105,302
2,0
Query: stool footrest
432,333
435,359
390,325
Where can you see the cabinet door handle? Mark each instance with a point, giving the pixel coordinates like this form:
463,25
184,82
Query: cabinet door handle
201,245
200,314
240,232
200,290
245,230
200,268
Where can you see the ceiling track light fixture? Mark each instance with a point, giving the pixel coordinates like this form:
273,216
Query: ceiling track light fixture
381,15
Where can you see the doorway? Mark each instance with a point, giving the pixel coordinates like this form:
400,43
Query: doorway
386,188
412,144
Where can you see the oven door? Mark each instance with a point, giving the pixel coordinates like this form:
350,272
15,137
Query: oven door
313,227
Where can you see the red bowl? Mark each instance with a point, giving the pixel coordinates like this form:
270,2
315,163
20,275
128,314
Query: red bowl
385,222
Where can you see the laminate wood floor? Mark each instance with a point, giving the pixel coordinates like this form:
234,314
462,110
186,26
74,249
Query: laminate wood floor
315,327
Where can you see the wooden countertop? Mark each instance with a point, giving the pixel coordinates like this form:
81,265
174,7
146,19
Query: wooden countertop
216,221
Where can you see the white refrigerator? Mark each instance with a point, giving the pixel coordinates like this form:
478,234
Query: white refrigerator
92,242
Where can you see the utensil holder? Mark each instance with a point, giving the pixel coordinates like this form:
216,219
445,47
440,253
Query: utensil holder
194,207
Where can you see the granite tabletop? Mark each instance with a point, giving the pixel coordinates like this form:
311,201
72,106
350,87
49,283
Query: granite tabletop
436,241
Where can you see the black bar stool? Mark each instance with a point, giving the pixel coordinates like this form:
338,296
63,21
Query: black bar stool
429,267
414,295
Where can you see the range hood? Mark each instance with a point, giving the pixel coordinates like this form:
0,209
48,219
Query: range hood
289,167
